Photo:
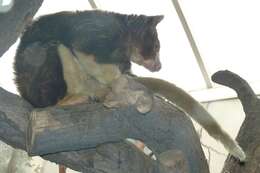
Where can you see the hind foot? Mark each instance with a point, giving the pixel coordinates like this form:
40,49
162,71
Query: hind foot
75,99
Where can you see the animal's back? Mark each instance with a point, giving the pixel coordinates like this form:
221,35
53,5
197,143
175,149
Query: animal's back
37,66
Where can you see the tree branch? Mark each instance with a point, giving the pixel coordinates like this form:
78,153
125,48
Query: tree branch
249,134
174,129
244,92
67,128
13,22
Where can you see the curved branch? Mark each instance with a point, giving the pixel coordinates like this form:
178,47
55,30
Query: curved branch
244,91
249,134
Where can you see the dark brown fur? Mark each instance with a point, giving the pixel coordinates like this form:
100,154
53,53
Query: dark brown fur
110,37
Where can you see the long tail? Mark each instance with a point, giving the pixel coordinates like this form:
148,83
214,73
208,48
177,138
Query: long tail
189,105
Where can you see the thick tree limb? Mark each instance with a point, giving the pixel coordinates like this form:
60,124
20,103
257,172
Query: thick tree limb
182,137
13,22
249,134
58,129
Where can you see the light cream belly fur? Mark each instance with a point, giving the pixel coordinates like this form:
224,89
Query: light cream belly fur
85,77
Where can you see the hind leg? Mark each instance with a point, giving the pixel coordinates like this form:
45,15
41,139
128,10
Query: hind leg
74,77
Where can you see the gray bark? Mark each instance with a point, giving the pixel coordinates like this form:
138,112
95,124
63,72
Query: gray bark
13,22
57,129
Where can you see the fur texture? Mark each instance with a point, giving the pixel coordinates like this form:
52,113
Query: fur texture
111,38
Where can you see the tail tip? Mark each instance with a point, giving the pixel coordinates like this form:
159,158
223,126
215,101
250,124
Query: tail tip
237,152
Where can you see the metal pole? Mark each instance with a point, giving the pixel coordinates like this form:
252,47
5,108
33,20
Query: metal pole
92,4
192,43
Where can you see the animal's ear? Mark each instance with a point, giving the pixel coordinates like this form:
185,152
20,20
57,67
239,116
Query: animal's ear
156,19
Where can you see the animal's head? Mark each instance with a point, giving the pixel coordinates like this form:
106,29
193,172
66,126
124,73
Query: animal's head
146,45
